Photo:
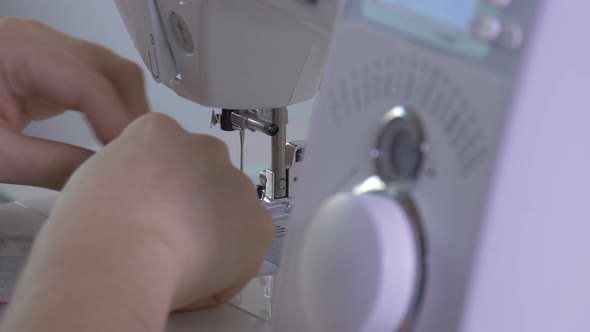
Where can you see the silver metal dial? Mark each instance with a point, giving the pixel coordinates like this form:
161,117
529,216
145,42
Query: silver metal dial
400,149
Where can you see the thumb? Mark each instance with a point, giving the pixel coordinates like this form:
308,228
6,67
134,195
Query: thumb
37,162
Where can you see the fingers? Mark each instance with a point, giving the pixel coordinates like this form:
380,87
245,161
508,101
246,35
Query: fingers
10,110
155,126
167,130
125,75
35,110
40,61
44,72
36,162
73,85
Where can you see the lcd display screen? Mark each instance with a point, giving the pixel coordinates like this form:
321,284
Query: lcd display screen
456,13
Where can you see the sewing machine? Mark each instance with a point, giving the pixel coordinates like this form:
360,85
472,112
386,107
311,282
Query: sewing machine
249,59
433,196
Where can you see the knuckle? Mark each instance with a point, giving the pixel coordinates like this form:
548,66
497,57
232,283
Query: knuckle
153,126
11,22
156,122
13,26
35,24
18,26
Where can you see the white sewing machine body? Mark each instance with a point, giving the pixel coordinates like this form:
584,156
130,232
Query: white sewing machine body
500,96
233,54
444,190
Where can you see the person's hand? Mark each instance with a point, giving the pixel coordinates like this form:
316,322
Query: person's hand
158,183
157,221
44,72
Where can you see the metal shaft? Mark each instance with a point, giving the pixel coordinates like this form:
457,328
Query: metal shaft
279,145
242,139
251,122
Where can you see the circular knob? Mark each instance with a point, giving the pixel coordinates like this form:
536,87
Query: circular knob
360,265
401,147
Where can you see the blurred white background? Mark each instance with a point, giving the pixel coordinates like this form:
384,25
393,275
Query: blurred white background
99,21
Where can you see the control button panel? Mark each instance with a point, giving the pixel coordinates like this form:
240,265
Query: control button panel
502,4
487,28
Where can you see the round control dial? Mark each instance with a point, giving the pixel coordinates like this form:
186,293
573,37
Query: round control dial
360,265
401,145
